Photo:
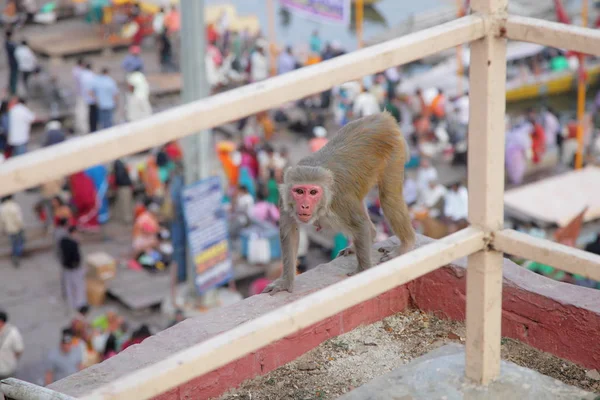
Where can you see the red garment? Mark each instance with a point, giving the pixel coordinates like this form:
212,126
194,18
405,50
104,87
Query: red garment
139,35
538,142
131,342
174,151
317,144
211,33
250,161
83,193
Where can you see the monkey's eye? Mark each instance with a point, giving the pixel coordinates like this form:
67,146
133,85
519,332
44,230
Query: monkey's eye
313,192
299,191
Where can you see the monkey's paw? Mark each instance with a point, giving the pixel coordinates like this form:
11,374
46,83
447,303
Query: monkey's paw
279,285
388,253
346,252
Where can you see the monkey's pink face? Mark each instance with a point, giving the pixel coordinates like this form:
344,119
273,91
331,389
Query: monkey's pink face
307,198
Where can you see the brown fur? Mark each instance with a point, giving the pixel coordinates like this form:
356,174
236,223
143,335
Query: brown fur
367,152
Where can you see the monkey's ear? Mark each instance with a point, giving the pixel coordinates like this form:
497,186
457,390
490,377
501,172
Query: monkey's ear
286,170
328,178
284,194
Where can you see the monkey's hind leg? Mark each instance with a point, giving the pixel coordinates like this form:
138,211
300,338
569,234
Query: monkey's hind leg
395,209
350,249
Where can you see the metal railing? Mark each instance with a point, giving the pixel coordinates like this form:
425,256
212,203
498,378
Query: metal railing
487,30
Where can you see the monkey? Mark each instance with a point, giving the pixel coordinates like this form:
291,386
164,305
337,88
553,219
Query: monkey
328,188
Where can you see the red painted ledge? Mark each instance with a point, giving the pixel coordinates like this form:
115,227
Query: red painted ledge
555,317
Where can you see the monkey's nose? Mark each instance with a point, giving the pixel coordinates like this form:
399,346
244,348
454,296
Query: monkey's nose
305,206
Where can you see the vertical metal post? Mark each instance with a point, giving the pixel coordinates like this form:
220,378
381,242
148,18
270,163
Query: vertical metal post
197,148
486,194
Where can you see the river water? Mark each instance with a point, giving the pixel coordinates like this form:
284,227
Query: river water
294,29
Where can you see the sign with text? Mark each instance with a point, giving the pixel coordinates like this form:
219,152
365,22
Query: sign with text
206,223
328,11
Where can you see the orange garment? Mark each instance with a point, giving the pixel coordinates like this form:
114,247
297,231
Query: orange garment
151,179
231,170
438,106
313,59
538,142
173,21
316,144
145,223
266,124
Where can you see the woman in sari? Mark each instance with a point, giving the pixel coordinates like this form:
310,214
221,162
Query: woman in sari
517,143
99,176
84,199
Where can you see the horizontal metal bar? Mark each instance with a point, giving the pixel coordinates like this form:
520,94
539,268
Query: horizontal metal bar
565,258
553,34
253,335
17,389
77,154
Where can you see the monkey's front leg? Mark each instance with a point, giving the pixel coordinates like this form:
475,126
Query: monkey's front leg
288,233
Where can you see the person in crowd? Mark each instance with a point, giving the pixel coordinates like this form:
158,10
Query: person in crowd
320,139
99,176
286,61
259,64
27,61
73,272
138,336
133,61
158,22
61,210
20,119
263,210
433,198
54,133
365,104
65,360
390,106
13,65
425,174
245,201
165,52
272,188
11,218
11,347
410,191
538,137
88,81
138,99
124,202
83,197
456,205
145,228
315,42
517,144
106,94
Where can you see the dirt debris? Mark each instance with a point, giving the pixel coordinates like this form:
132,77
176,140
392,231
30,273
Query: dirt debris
343,363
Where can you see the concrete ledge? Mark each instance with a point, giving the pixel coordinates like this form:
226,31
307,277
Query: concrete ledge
559,318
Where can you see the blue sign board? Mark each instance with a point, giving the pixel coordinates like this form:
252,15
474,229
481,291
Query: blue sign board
206,224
